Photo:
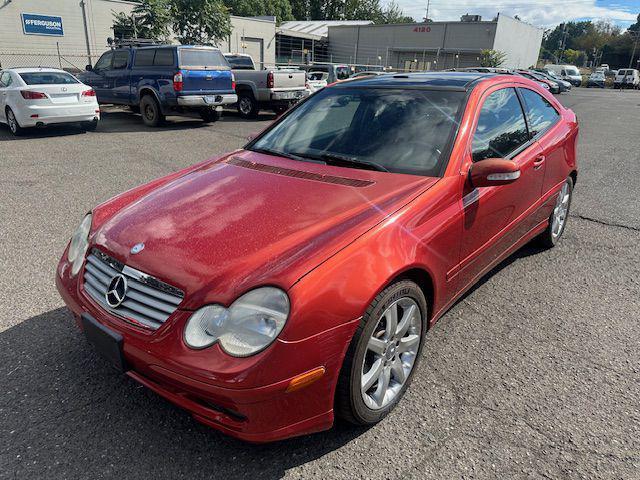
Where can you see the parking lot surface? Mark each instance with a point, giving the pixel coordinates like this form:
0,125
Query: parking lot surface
533,374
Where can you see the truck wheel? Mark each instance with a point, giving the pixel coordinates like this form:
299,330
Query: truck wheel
208,115
247,105
151,114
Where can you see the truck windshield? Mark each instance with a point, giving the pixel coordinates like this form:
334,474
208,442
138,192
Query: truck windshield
572,71
202,58
396,130
47,78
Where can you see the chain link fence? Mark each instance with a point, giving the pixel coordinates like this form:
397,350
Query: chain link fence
70,61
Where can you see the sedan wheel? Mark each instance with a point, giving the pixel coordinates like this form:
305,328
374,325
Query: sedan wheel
383,354
559,216
13,124
391,353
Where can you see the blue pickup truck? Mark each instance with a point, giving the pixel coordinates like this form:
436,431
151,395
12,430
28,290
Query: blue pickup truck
164,79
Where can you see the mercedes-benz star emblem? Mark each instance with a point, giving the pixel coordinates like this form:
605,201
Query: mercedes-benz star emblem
116,291
137,248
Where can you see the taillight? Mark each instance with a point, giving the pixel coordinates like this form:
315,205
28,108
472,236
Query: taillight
233,82
177,82
89,93
29,95
270,82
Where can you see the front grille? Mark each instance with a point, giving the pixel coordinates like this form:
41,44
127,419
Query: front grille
148,301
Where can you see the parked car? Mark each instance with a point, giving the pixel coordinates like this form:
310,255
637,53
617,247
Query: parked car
273,89
596,79
570,73
335,72
369,73
549,75
164,79
627,78
550,85
316,81
305,269
36,97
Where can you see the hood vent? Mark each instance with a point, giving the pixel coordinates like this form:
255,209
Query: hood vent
288,172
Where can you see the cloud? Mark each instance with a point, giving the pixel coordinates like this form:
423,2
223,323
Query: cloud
543,13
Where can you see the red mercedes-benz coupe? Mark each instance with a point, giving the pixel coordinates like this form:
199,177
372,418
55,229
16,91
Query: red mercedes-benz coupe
272,288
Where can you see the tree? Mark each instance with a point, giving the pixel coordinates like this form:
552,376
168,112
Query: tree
392,13
148,19
492,58
281,9
202,22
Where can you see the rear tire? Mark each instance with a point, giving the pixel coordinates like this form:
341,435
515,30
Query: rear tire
558,218
152,115
383,354
247,105
208,115
12,122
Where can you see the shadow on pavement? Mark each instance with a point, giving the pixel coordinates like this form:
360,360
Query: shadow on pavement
65,413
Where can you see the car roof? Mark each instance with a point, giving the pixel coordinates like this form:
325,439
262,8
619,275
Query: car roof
439,80
34,69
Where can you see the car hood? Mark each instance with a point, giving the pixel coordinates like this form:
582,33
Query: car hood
250,219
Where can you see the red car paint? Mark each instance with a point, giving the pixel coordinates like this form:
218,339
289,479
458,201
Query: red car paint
225,226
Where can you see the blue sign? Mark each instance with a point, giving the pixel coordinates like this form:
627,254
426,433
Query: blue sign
41,25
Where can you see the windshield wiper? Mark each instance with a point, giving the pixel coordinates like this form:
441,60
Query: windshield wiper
344,161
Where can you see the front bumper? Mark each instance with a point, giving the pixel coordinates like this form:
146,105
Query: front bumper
207,100
245,398
32,115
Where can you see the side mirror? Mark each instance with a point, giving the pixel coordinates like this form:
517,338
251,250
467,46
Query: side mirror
88,68
492,172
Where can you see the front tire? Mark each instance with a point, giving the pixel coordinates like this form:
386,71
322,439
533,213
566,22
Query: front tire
12,122
383,354
558,218
152,115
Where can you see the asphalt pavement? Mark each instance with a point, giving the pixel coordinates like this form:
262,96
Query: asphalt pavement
533,374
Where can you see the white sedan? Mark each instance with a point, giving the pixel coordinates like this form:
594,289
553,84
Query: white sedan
35,97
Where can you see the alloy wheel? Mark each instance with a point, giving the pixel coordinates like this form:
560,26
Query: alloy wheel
391,353
245,106
560,211
11,120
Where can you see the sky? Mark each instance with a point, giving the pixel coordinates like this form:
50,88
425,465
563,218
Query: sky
543,13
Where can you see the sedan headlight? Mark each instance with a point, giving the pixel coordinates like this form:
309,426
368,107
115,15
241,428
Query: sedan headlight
78,245
247,327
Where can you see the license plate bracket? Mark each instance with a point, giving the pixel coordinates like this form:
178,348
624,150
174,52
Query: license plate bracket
106,342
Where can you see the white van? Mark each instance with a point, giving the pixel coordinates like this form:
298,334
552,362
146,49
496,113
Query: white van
627,78
570,73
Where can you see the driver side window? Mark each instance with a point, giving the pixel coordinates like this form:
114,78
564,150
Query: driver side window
104,63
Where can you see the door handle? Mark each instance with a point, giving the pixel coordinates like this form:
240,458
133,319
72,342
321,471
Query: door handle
538,162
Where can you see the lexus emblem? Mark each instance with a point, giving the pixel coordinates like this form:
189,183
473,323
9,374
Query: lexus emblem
116,291
137,248
64,89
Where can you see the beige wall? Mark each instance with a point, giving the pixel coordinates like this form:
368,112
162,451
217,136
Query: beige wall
255,37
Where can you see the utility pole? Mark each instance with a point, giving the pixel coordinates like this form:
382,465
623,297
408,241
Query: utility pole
635,46
563,41
426,16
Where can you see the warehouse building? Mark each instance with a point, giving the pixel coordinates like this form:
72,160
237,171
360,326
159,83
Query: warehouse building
71,33
436,45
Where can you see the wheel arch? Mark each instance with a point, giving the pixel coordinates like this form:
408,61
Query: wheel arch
421,277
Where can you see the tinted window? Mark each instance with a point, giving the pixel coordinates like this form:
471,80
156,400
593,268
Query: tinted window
200,57
120,59
144,58
540,112
242,63
404,130
343,73
501,127
104,62
164,57
47,78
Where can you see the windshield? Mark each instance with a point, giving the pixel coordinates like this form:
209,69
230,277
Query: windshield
402,131
572,71
47,78
207,59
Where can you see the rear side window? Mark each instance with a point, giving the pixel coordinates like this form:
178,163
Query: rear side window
144,58
540,113
202,58
501,126
47,78
164,57
5,79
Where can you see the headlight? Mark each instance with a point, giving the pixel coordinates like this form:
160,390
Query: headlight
247,327
78,245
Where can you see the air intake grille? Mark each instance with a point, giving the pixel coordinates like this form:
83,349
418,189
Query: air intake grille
288,172
147,300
